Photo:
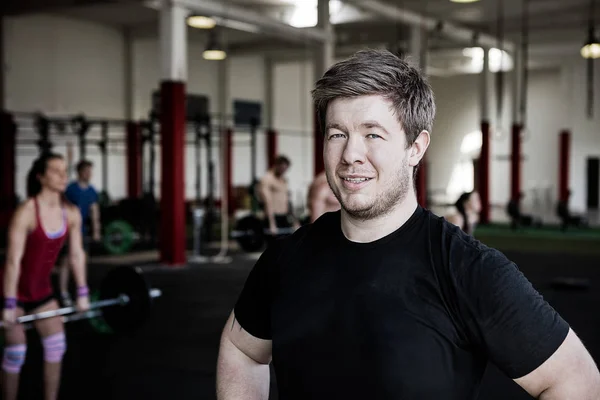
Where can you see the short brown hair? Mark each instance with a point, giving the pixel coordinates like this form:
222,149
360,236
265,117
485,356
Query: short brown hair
379,72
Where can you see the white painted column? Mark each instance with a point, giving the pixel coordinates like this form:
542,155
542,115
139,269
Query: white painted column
173,42
325,53
173,61
484,85
324,58
418,46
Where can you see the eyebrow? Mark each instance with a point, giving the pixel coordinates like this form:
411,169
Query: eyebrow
365,124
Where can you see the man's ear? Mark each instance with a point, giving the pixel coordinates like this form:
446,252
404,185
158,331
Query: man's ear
418,148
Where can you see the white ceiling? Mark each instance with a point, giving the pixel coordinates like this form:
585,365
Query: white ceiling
557,27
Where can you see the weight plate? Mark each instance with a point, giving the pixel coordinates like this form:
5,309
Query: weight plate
130,282
98,324
118,237
254,240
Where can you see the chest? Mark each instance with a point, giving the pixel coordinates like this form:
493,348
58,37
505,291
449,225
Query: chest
378,305
51,219
277,185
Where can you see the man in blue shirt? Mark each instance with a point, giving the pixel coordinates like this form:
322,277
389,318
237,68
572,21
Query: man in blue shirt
82,194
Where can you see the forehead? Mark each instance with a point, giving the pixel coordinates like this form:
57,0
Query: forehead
352,112
56,163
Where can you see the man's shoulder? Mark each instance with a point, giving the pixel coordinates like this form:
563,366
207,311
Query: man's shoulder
456,245
312,233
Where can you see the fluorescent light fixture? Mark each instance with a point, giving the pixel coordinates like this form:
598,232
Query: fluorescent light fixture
201,22
464,1
305,14
591,50
214,55
498,59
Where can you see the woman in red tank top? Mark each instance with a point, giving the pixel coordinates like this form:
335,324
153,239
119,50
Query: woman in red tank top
38,230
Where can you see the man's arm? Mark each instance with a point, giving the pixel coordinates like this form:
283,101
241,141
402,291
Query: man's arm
243,364
17,236
570,373
317,202
265,193
96,227
77,258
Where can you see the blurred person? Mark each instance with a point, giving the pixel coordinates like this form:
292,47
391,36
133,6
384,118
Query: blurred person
37,232
82,194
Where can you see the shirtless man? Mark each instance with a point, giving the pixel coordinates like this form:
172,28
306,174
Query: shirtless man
320,198
274,193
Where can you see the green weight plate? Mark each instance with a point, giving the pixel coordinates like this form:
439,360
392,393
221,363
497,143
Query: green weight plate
118,237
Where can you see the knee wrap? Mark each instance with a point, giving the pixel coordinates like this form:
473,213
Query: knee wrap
54,347
14,358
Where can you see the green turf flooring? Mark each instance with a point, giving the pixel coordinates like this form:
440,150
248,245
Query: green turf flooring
548,239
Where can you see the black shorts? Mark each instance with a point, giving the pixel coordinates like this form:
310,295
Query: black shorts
281,221
29,306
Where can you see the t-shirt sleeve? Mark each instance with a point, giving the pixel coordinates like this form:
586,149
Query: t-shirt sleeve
70,194
512,323
253,307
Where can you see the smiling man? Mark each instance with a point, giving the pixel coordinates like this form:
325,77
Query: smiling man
383,299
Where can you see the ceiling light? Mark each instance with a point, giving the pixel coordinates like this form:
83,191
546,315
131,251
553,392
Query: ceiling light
591,48
464,1
214,51
201,22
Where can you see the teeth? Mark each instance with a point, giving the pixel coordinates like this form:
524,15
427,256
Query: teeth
356,180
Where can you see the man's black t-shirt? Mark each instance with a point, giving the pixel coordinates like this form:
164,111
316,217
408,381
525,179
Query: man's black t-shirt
414,315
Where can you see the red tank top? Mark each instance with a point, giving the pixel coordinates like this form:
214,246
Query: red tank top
40,255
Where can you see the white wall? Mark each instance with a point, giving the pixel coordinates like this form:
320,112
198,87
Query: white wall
64,66
556,101
585,140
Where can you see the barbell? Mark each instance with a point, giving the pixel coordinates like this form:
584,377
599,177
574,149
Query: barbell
251,234
125,303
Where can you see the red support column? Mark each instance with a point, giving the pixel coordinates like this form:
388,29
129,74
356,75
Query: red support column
421,183
228,163
484,173
318,146
134,160
172,182
564,150
271,147
515,162
8,132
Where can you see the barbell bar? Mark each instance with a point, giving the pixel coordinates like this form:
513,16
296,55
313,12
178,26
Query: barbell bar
266,232
125,300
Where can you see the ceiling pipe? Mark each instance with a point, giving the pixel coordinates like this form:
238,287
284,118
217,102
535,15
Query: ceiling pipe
263,24
454,31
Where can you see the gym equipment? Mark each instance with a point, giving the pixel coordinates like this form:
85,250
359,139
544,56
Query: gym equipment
119,237
125,302
97,322
251,233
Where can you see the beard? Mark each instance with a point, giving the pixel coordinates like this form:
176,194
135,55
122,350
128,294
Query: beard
380,203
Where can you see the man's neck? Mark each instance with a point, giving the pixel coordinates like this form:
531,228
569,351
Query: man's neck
49,198
362,231
82,183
